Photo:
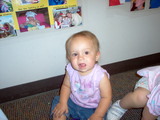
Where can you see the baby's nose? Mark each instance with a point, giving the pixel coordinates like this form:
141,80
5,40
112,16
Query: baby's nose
80,57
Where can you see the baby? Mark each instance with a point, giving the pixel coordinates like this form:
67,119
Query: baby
31,21
86,91
146,95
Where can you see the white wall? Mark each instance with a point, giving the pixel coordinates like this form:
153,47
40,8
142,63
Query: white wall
40,54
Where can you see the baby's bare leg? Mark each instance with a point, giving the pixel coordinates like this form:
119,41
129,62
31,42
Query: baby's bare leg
146,115
136,99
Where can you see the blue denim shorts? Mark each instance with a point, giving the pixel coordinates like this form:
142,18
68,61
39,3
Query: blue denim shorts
75,111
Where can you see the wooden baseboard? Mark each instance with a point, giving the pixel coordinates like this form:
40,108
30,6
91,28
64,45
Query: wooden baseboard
19,91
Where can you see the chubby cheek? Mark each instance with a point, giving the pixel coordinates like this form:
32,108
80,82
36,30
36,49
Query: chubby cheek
74,63
91,63
73,60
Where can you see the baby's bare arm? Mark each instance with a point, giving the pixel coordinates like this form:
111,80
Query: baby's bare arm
62,107
106,97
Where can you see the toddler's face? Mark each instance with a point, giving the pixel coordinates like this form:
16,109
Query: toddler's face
83,55
69,15
59,18
30,18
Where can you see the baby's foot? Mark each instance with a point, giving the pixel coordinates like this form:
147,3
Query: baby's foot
116,111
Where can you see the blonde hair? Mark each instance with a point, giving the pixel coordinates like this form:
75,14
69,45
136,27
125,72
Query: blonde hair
86,34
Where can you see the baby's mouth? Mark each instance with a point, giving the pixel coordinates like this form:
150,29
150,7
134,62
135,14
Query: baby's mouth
82,65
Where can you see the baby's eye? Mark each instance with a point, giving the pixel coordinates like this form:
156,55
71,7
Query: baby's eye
86,52
74,54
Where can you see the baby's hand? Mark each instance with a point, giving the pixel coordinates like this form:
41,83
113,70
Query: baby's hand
95,117
60,110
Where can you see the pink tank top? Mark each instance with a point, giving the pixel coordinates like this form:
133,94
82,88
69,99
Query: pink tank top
85,89
153,76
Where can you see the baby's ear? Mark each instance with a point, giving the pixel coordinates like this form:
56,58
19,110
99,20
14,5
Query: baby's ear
68,57
98,55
